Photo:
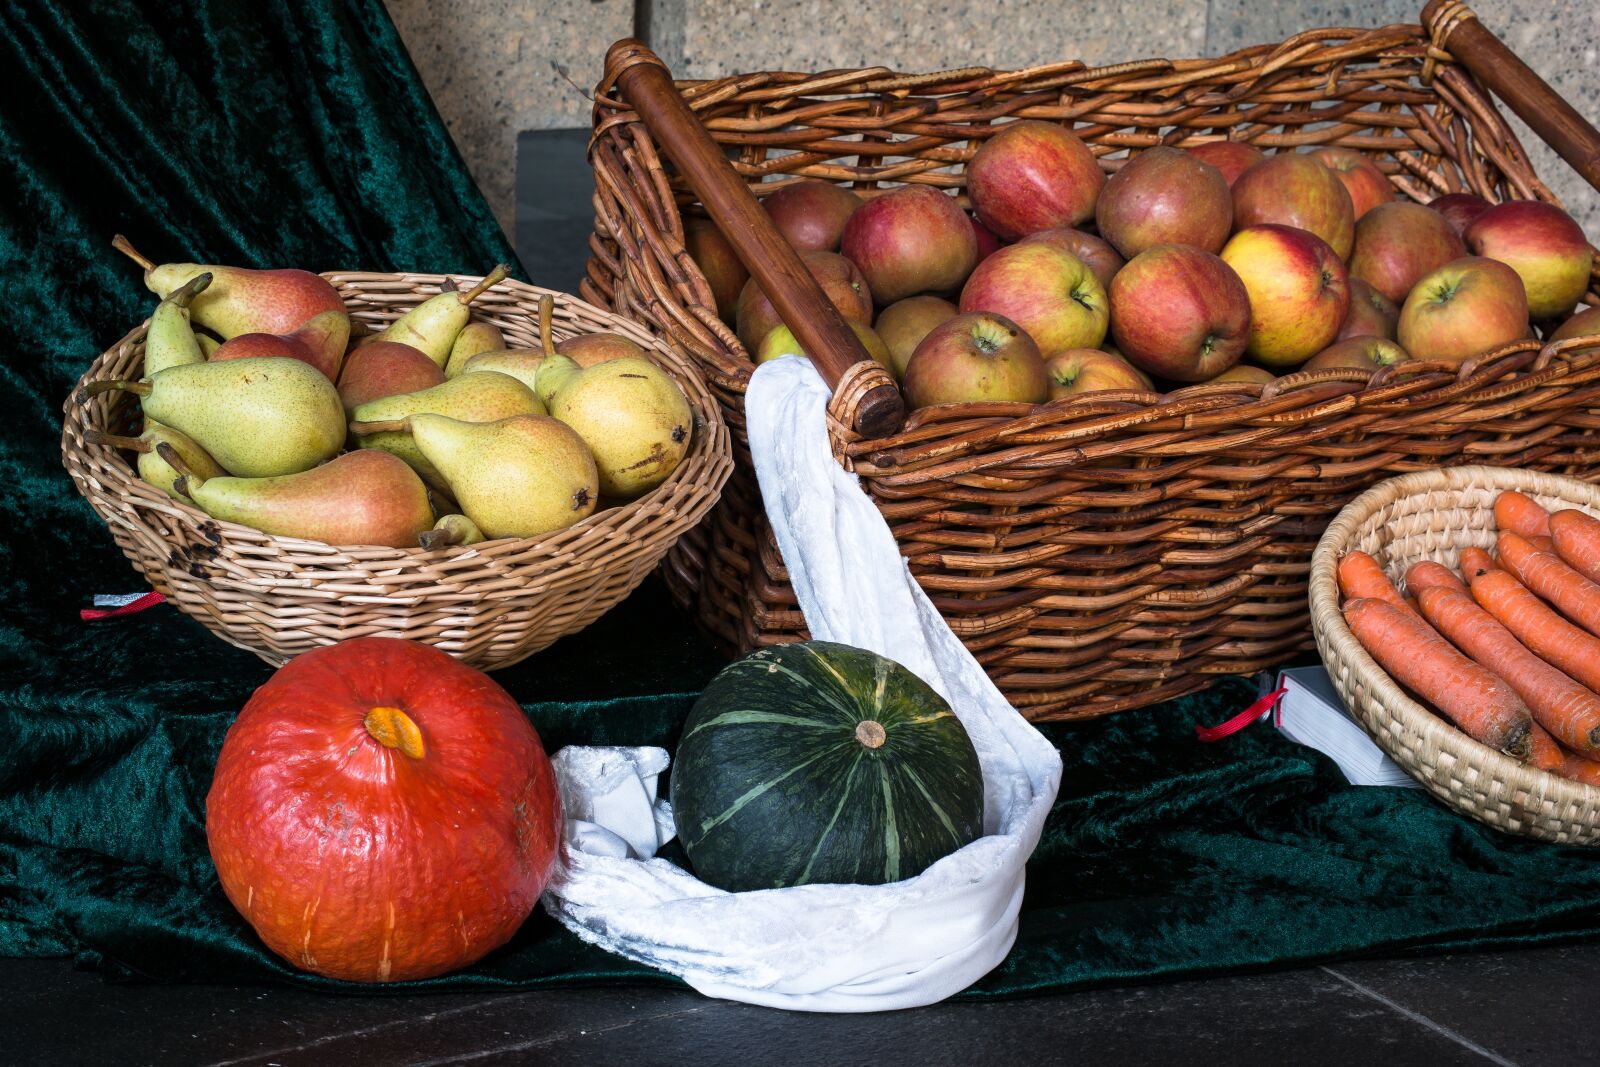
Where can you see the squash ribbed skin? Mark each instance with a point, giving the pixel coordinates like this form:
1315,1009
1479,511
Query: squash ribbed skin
773,787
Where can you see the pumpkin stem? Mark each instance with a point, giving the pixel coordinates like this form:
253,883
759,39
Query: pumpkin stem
871,733
393,728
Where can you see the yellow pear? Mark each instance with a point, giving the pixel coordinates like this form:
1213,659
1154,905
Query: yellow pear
484,397
633,417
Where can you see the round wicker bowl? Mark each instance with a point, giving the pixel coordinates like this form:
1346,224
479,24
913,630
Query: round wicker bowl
489,604
1435,515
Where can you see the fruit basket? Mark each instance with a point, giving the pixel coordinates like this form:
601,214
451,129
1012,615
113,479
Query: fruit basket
490,604
1435,515
1112,550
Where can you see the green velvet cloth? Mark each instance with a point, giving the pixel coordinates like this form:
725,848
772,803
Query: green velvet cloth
298,134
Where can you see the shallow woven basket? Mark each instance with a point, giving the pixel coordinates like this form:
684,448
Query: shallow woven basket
1121,548
490,604
1435,515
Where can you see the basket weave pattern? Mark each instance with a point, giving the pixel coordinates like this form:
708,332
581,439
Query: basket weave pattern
1117,549
490,604
1435,515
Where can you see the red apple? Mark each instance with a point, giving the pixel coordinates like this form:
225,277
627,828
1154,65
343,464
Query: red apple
1366,184
1398,243
1244,372
841,281
1371,313
1102,259
1180,312
1232,158
1585,323
812,214
1050,293
385,368
904,323
988,243
1464,308
1089,370
1033,176
719,263
1299,292
1165,196
1543,245
1459,209
1295,190
912,240
1360,353
976,357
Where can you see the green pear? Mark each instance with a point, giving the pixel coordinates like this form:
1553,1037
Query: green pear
484,397
451,530
633,417
521,363
474,337
153,468
208,344
360,498
519,477
257,417
432,326
170,341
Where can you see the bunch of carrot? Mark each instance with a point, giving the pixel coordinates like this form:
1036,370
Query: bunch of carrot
1509,650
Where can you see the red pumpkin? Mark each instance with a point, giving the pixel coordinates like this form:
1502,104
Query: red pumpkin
382,812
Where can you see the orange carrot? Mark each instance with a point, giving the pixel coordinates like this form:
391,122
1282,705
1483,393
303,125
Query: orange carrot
1551,638
1543,544
1580,770
1521,515
1483,706
1543,752
1577,540
1430,575
1361,577
1574,596
1476,561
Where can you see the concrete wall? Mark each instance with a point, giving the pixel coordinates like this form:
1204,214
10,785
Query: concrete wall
495,67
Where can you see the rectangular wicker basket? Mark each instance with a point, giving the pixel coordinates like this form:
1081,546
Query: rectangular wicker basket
1117,549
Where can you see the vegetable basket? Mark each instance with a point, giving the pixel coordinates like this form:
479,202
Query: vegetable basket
1115,549
490,604
1435,515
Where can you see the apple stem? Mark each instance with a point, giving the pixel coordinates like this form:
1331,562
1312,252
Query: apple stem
107,385
112,440
123,245
493,278
363,429
547,310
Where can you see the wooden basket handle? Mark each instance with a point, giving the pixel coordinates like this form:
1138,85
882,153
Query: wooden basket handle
646,84
1454,28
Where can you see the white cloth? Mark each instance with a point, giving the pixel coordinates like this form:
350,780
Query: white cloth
839,948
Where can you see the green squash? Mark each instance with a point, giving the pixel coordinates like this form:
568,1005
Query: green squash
819,762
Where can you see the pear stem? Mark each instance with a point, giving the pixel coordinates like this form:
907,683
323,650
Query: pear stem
362,429
122,244
190,289
547,310
186,477
439,535
107,385
112,440
493,278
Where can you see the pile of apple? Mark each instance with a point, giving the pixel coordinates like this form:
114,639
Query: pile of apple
259,409
1215,263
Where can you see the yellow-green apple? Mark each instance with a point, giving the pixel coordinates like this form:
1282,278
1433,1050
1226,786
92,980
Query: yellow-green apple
781,341
1090,370
719,263
812,214
1543,245
1463,309
974,357
1104,260
1165,196
1459,209
1585,323
1180,312
841,282
1360,353
1295,190
1362,179
1049,292
904,323
1232,158
912,240
1371,313
1299,291
1033,176
988,243
1398,243
1244,372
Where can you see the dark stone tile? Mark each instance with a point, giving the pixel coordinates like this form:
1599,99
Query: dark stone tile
555,215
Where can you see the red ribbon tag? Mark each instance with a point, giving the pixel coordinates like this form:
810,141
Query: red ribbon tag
1255,711
130,607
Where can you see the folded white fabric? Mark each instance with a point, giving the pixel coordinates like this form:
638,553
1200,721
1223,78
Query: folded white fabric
840,948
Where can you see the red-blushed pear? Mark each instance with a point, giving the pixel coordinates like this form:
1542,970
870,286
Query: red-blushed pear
1366,184
1463,309
592,349
718,261
1543,245
1090,370
1102,259
1295,190
988,243
319,342
385,368
903,324
1180,313
976,357
812,214
1359,353
1033,176
1050,293
1371,313
911,240
1232,158
1585,323
1165,196
1299,292
841,282
1244,372
1459,209
1400,242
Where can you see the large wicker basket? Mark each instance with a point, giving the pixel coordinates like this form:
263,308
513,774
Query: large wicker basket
1116,549
1435,515
490,604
